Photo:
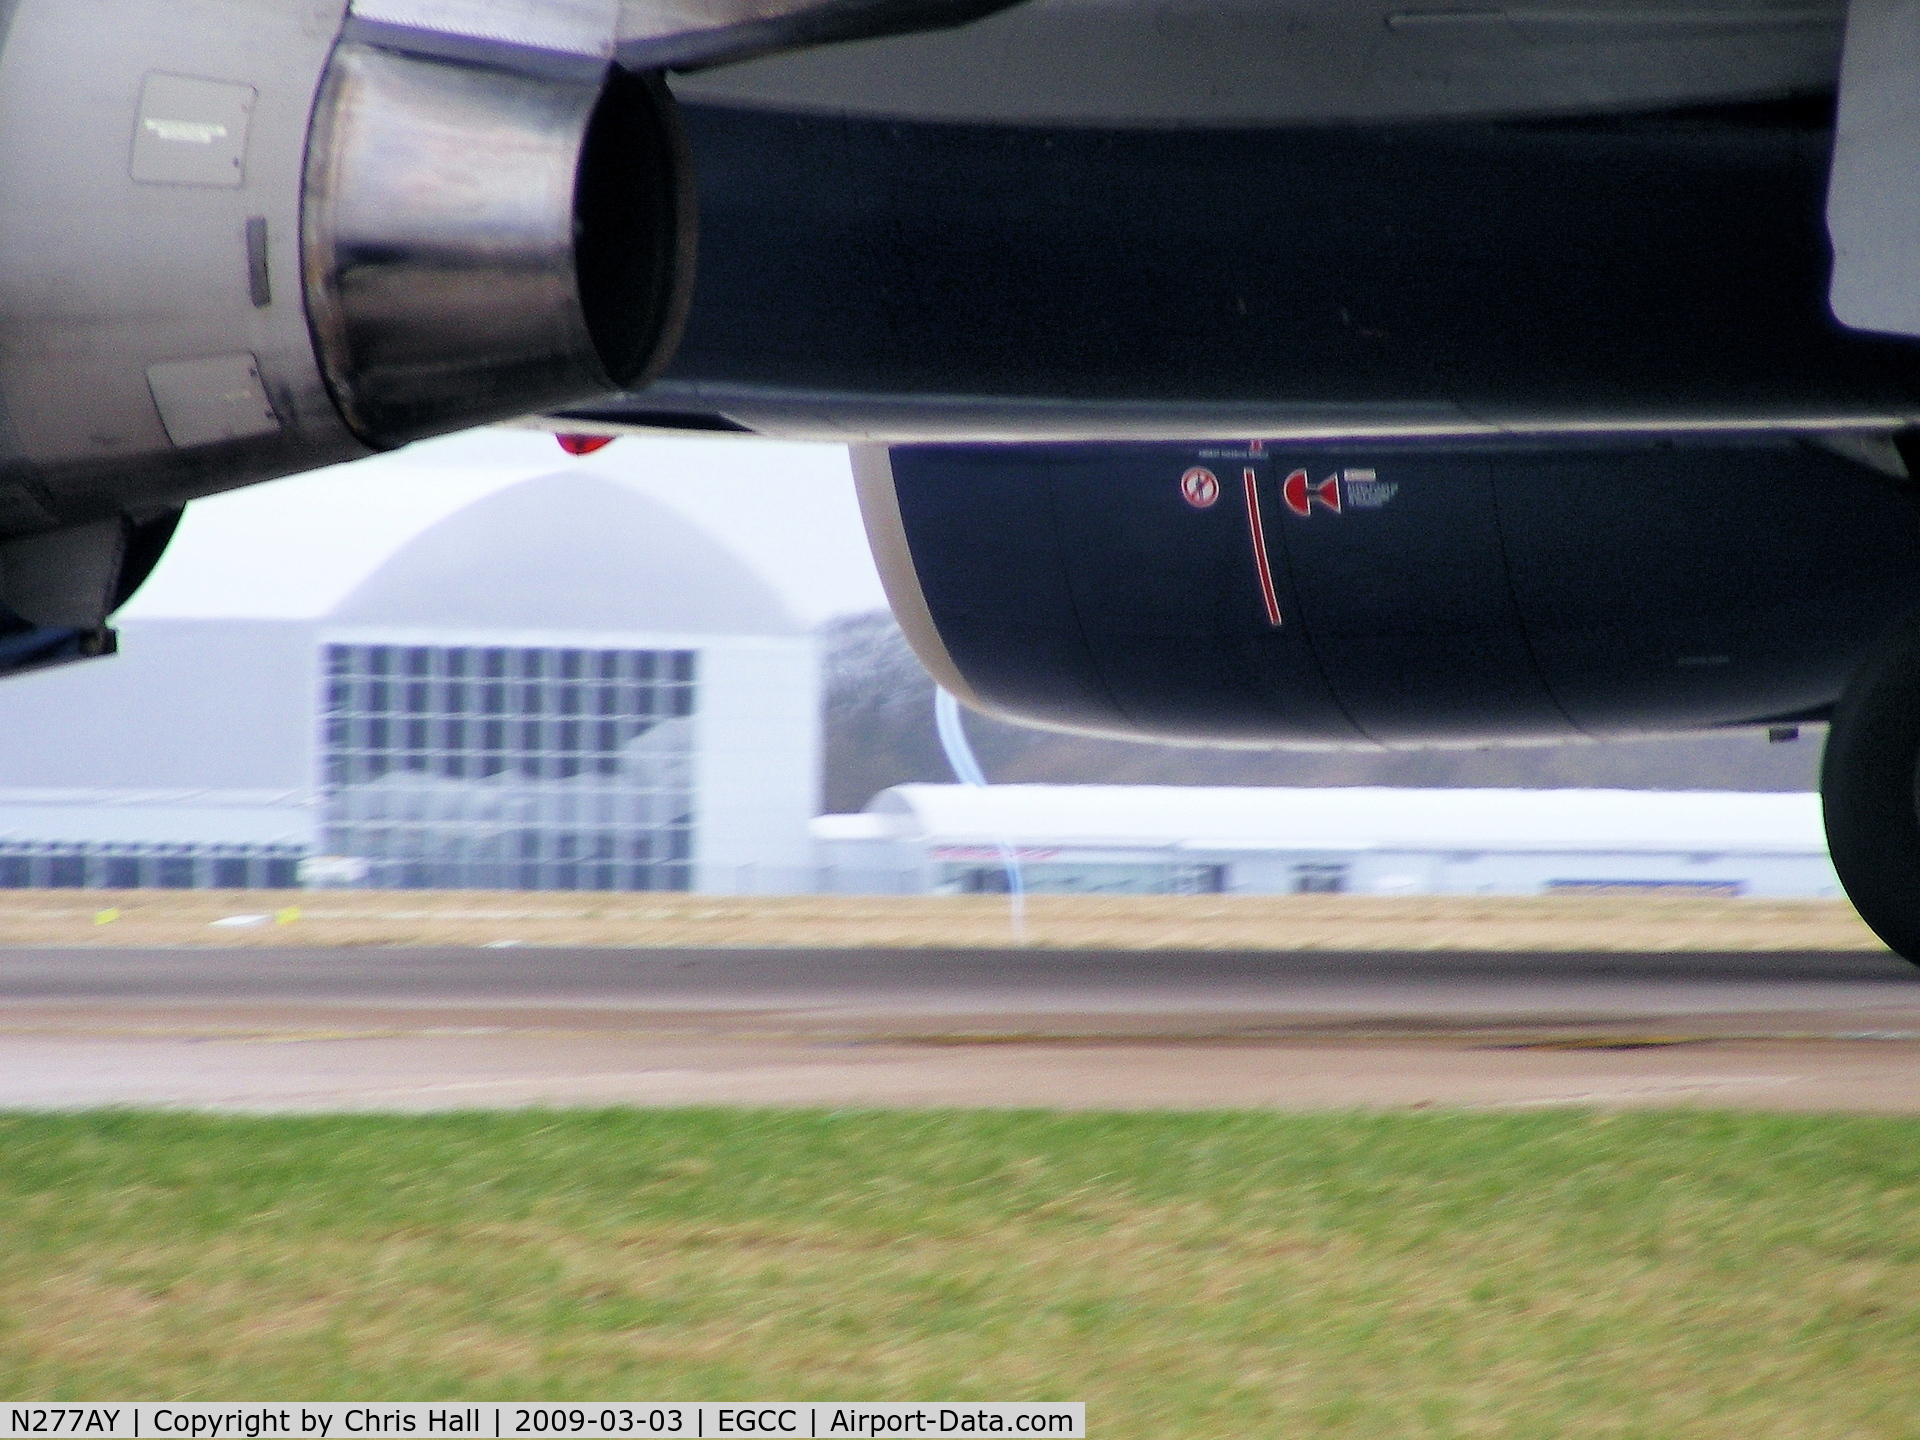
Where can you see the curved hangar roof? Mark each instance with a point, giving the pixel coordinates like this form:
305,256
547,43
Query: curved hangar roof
567,552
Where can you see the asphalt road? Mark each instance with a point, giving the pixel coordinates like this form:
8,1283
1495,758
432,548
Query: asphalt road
419,1029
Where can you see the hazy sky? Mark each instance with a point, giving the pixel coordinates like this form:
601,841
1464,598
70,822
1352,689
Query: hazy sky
293,547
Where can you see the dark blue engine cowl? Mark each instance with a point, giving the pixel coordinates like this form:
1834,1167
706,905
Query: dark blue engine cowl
1392,595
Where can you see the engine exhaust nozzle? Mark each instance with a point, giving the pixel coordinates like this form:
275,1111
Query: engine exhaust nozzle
481,243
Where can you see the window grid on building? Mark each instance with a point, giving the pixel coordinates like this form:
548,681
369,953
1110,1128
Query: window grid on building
109,866
509,767
1094,877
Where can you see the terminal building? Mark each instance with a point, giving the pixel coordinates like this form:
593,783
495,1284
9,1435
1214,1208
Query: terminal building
1155,840
561,685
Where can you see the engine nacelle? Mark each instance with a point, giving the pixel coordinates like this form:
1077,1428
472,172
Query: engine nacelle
245,238
1391,595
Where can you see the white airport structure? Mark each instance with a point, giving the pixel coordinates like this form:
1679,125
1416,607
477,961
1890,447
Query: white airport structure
1144,839
560,685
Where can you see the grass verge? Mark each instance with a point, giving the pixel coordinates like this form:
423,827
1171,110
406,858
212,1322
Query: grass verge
1222,1274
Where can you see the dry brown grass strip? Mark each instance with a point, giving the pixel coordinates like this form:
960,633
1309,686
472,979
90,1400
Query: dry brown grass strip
1616,923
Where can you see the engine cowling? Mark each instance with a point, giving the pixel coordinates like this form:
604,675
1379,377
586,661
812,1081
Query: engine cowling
244,240
247,239
1391,595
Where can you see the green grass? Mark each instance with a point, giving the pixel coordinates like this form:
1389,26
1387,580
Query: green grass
1547,1274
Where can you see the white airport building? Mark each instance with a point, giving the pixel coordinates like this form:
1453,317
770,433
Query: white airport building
1144,839
562,684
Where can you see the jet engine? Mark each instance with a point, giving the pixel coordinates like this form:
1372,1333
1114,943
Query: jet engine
1392,595
245,238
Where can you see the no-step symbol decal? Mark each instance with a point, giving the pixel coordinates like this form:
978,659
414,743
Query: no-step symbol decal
1199,487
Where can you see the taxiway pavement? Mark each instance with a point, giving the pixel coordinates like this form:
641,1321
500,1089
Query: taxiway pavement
314,1029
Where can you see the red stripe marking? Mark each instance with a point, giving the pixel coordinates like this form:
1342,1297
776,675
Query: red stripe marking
1259,533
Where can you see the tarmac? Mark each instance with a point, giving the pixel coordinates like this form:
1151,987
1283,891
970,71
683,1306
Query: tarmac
305,1029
